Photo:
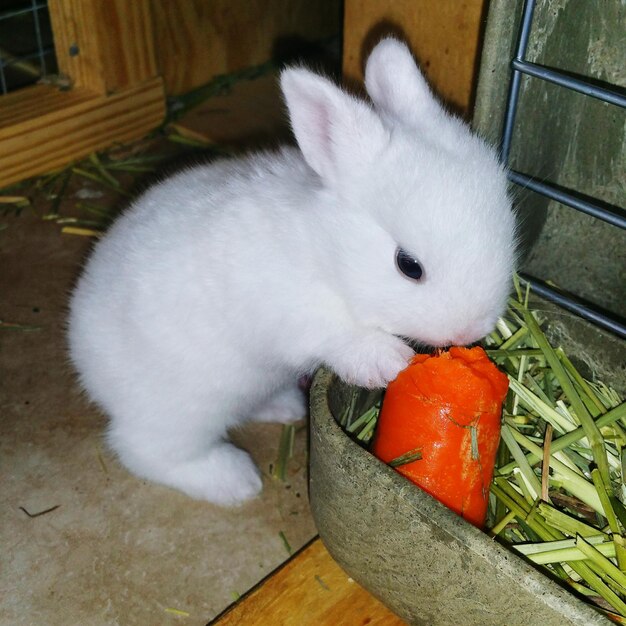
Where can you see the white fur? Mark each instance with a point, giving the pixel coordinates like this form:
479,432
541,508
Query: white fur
220,286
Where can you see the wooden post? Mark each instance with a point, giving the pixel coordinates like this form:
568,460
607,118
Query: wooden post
445,36
106,48
104,45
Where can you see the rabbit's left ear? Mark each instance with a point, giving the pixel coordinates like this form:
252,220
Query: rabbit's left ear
396,86
335,131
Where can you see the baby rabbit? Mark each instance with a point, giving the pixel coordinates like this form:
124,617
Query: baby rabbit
220,287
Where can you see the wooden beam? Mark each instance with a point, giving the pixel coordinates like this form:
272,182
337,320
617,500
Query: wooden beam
42,129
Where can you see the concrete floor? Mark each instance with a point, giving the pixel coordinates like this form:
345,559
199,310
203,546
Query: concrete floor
117,550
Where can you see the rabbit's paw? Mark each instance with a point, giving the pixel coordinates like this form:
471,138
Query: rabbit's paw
226,476
287,406
372,360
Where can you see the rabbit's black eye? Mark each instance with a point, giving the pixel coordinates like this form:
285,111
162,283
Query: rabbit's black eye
409,266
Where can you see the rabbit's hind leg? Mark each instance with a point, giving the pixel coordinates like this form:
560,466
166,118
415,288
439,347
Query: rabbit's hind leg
186,455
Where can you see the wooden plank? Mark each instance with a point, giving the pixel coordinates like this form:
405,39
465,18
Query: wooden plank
445,36
62,129
24,104
199,39
309,590
104,46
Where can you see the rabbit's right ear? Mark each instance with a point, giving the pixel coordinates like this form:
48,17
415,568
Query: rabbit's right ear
335,131
396,86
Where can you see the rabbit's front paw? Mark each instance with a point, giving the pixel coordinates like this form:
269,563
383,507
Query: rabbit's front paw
373,360
287,406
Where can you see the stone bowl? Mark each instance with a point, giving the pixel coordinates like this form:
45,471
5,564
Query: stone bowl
423,561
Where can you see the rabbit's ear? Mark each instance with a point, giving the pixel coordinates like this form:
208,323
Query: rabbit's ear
335,131
395,84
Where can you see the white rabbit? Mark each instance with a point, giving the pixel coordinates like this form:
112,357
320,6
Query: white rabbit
219,287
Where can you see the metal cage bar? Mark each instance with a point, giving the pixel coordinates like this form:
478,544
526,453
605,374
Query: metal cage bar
40,47
12,13
570,82
3,80
613,215
567,302
39,51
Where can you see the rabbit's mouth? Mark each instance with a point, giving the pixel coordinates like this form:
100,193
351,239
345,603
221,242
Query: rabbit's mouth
467,337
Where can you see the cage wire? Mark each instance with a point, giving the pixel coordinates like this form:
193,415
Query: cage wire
26,44
594,207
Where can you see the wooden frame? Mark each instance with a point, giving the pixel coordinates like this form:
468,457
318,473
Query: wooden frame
445,36
106,48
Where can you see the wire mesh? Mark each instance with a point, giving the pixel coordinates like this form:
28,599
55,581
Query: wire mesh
615,216
26,45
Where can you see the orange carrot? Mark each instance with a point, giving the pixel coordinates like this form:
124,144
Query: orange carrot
445,411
